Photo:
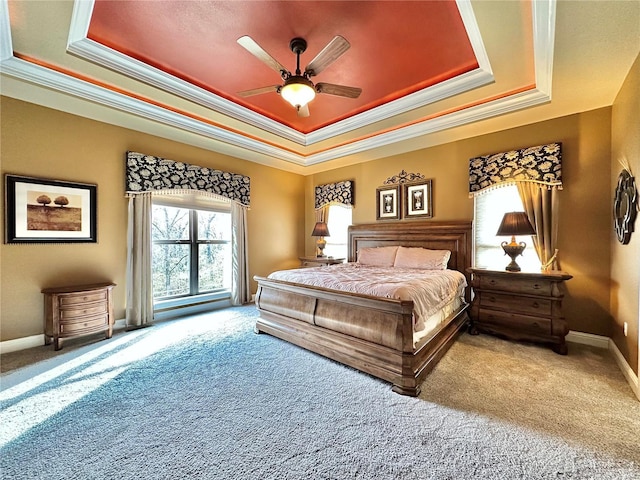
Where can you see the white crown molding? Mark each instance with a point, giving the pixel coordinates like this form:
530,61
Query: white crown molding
544,19
6,47
544,32
473,32
473,114
454,86
78,44
60,82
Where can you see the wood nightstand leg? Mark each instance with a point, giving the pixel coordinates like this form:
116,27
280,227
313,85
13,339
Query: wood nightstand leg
560,349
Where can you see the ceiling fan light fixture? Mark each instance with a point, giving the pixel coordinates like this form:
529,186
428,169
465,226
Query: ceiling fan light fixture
298,91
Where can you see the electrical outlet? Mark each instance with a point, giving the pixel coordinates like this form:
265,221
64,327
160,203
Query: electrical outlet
625,328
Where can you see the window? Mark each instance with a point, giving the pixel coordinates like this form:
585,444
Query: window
191,252
339,221
490,207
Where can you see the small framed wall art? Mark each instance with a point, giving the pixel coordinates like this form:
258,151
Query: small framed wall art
388,202
418,200
49,211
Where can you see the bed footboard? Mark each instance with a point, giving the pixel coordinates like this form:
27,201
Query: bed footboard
373,335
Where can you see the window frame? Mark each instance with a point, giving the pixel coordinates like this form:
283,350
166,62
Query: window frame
529,263
194,296
342,245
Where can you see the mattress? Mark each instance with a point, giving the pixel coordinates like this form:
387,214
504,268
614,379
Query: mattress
431,291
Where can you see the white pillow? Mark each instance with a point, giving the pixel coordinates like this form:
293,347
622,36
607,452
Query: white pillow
377,256
416,257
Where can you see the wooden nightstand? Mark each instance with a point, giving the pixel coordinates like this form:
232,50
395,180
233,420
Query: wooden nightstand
78,310
520,306
319,261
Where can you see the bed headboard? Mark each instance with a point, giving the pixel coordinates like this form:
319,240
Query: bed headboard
455,236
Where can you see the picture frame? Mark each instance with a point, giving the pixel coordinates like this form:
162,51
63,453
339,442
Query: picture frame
388,202
418,199
39,210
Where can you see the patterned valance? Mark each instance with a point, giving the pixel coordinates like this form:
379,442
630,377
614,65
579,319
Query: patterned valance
341,192
146,173
541,164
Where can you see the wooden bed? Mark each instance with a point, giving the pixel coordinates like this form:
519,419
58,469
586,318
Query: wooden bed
374,335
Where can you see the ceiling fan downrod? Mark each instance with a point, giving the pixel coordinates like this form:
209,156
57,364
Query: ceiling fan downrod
298,46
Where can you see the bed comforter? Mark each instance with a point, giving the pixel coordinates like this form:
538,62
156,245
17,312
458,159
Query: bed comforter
430,290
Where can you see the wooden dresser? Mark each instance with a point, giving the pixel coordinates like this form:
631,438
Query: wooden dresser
78,310
520,306
319,261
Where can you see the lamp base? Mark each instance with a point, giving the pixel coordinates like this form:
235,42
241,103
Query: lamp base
321,243
513,250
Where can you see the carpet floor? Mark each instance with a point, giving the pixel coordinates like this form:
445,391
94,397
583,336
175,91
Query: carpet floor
204,397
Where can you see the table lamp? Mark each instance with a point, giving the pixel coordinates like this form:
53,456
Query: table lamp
320,231
514,223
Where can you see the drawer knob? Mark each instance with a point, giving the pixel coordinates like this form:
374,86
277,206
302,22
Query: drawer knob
536,286
535,324
535,305
492,282
492,299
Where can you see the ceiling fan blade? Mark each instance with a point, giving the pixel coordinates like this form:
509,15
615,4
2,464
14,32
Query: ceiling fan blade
339,90
258,91
258,52
303,111
328,55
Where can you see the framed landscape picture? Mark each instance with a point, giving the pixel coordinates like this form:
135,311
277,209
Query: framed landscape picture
49,211
388,202
418,200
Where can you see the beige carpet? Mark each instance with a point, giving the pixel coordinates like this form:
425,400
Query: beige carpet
582,397
204,397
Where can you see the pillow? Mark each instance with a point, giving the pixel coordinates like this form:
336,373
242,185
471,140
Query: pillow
415,257
377,256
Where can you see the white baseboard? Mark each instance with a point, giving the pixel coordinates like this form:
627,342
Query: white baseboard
32,341
626,370
23,343
598,341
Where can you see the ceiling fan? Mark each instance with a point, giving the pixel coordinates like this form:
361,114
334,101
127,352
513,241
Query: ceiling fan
298,89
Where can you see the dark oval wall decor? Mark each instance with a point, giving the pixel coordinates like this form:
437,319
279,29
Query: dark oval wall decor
625,207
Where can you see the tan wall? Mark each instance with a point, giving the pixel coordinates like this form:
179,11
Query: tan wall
584,233
625,259
41,142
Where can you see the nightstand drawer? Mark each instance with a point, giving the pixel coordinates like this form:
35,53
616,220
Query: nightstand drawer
92,323
514,303
308,263
520,322
79,312
82,298
515,284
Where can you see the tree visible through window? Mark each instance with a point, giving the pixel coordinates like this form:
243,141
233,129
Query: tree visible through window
191,251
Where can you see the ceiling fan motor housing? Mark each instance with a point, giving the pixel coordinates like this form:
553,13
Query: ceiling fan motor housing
298,45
